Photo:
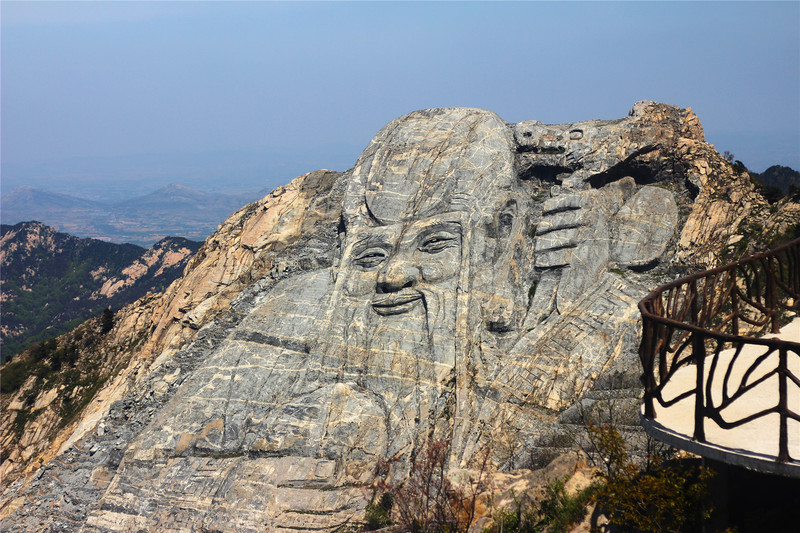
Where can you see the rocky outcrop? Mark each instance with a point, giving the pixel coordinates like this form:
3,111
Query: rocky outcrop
251,244
468,280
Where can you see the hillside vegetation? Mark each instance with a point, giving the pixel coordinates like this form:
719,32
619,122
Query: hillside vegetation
52,281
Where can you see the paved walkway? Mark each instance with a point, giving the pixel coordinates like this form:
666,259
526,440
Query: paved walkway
752,445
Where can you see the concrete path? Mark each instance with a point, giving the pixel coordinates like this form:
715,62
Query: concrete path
752,445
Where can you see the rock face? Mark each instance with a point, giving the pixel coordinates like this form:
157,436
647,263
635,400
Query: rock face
468,279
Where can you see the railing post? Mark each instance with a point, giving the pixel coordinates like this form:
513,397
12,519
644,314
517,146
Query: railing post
661,339
783,406
793,258
647,355
772,296
735,303
698,355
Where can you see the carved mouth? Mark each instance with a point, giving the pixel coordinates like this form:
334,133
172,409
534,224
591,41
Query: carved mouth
396,303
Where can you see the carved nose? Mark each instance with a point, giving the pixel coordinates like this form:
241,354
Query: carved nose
397,275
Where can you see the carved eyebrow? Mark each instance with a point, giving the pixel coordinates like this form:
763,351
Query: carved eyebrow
454,227
371,240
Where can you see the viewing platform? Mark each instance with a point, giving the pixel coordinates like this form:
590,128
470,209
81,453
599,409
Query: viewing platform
714,385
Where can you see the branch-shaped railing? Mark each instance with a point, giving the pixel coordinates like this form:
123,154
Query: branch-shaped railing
690,321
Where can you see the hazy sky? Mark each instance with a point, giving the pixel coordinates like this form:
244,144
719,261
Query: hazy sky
228,94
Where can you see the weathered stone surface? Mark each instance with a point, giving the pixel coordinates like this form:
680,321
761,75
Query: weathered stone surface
292,229
467,279
646,224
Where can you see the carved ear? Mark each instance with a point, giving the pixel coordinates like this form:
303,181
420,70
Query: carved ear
499,307
501,224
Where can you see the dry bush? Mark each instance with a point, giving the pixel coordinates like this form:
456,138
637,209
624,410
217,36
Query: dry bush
429,499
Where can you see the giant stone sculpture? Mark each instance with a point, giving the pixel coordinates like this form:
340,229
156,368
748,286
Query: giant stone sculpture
470,292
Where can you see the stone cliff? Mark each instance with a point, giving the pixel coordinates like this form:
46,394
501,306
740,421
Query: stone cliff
244,248
468,279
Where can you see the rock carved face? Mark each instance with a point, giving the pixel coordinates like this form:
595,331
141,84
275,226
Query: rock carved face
402,266
431,251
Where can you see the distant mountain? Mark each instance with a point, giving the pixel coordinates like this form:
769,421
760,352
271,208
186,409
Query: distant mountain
171,210
55,209
51,281
779,176
176,195
41,201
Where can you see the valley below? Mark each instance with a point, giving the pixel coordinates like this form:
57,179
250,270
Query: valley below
53,281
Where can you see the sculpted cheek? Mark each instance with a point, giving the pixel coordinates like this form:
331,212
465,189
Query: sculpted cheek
360,283
432,271
440,268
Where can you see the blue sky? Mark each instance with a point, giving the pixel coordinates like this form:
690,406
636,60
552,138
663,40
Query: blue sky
250,94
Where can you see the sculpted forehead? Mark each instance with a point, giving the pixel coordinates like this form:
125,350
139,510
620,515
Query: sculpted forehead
401,233
430,162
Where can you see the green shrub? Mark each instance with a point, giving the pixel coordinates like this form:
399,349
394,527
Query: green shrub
560,510
791,233
739,167
532,290
667,496
555,514
71,408
378,515
107,320
512,521
20,421
14,375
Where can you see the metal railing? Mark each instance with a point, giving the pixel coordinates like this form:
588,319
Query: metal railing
690,321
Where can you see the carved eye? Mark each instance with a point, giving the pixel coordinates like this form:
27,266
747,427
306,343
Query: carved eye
436,242
371,257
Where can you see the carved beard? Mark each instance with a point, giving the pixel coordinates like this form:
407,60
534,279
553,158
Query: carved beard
417,344
399,360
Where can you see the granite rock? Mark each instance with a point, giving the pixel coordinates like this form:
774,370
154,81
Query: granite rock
468,279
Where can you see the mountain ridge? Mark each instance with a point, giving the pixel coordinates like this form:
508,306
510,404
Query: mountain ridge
780,177
51,279
144,220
